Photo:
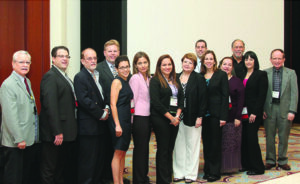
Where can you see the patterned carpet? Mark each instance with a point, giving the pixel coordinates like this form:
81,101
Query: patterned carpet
293,154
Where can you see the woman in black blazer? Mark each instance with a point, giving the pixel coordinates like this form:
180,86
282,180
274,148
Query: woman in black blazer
256,86
187,145
166,104
216,115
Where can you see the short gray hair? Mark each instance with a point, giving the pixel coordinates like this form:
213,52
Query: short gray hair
15,55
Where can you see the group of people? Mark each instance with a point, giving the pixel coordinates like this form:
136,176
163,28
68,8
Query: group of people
94,117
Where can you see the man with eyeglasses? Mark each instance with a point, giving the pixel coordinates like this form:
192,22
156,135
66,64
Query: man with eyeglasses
280,109
19,129
93,110
57,119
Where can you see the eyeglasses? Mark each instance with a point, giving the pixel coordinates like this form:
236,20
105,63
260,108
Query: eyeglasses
91,58
24,62
123,68
64,56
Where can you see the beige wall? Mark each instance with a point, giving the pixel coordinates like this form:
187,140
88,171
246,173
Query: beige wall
65,30
173,26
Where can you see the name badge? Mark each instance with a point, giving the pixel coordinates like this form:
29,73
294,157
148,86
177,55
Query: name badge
173,101
245,110
275,94
131,103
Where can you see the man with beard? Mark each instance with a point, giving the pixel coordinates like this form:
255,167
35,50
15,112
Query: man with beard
238,48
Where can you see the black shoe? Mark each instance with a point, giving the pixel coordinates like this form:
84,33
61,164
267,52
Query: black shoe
178,179
243,169
213,178
126,181
205,176
254,173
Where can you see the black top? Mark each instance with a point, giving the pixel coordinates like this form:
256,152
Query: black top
218,95
239,68
255,92
160,97
195,98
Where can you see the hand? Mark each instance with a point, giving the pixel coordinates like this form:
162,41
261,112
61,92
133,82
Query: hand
265,115
106,116
198,122
58,139
119,131
252,118
22,145
175,121
291,116
237,123
222,123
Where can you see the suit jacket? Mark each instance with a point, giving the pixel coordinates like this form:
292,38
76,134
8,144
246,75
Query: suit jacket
195,98
160,97
57,107
18,118
90,104
105,77
218,95
288,94
255,93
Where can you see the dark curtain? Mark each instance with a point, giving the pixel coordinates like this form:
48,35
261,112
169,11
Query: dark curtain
101,21
292,39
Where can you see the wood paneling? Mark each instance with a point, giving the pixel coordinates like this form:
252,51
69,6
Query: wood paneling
25,25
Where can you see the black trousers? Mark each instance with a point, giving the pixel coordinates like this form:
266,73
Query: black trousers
57,165
212,146
141,131
1,164
165,135
251,153
21,165
91,158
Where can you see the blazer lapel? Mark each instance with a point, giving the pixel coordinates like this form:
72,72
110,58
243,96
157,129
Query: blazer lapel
59,74
270,77
21,85
106,70
284,80
92,82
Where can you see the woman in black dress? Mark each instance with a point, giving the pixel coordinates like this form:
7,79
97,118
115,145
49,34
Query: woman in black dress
216,115
166,104
120,98
256,86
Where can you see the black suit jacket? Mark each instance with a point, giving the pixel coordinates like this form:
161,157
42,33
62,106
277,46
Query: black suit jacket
90,104
160,97
256,92
195,98
57,107
218,95
105,77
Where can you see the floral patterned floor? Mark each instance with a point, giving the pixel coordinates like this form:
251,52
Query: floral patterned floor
293,154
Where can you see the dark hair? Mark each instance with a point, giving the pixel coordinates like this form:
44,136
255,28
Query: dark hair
136,57
203,68
192,57
252,55
201,41
55,49
159,75
280,50
237,40
221,62
121,58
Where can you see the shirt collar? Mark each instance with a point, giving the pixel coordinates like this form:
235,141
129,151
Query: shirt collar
19,76
280,69
62,72
110,64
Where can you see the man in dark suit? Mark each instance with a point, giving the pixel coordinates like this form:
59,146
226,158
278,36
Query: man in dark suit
279,110
107,73
93,110
238,48
57,118
19,129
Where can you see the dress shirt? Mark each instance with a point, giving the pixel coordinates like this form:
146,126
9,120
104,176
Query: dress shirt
112,68
141,95
198,67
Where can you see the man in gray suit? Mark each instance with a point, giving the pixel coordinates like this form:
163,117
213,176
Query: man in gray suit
19,129
280,108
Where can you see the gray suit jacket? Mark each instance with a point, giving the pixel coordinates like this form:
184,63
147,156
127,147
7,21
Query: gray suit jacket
105,77
18,116
289,92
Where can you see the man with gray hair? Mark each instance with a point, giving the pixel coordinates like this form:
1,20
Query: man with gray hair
238,48
19,129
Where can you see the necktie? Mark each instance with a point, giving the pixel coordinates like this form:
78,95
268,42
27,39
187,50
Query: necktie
277,81
27,87
114,71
